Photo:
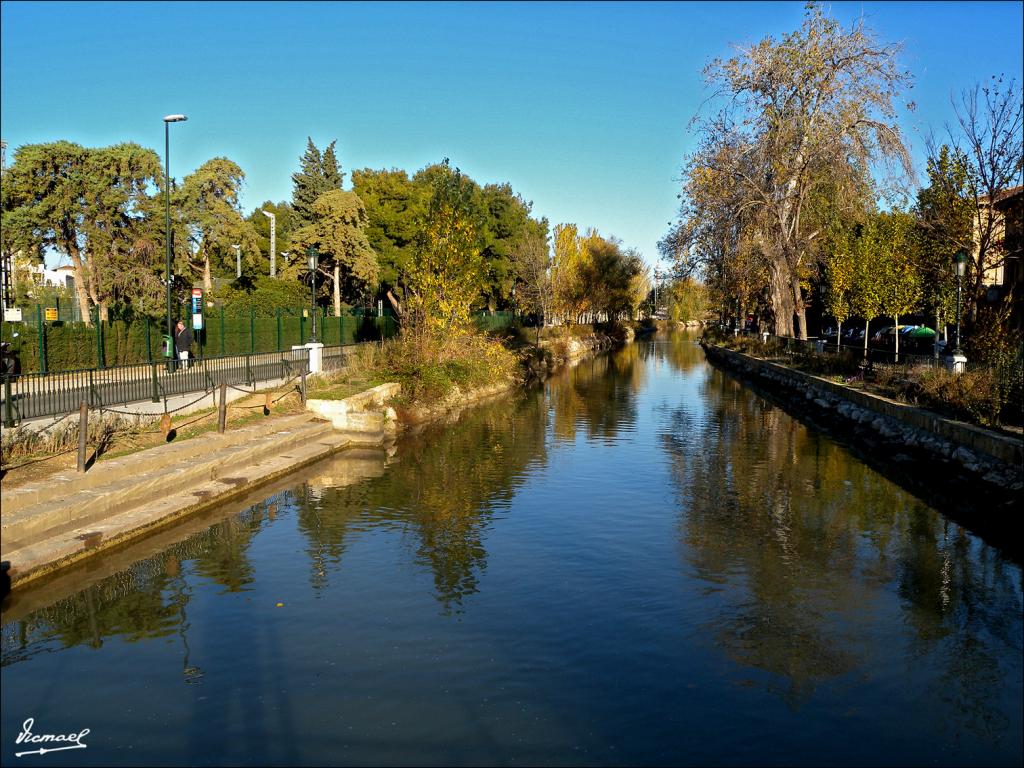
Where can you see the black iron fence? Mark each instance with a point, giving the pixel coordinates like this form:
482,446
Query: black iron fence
35,395
48,340
911,357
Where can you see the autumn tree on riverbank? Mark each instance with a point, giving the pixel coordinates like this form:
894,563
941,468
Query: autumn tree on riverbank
446,272
814,108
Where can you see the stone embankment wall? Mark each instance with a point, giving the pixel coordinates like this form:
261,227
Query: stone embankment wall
552,355
555,353
948,454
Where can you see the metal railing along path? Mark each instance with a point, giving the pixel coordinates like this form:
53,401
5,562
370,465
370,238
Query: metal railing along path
875,355
35,395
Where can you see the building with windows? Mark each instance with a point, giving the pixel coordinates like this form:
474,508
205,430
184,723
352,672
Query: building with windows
1003,277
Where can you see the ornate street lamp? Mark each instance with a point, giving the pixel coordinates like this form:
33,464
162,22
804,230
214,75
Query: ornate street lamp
311,259
167,214
960,267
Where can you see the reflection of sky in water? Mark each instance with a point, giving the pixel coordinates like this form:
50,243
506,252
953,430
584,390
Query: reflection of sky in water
642,562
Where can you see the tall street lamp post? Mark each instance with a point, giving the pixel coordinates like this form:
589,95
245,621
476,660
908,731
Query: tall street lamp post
167,214
238,260
6,280
273,241
311,257
657,279
960,265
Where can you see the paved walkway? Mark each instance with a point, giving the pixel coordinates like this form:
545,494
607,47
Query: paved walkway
33,396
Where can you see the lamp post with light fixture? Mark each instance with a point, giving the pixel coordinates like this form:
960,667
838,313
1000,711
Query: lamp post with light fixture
959,266
311,258
167,216
957,362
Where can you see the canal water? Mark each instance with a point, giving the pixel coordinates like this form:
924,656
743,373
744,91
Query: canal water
640,563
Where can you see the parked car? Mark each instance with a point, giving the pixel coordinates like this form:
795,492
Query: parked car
886,337
854,335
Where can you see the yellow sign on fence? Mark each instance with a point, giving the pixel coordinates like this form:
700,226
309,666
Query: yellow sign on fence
51,313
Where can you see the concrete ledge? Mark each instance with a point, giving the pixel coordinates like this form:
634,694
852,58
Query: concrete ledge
452,405
64,484
74,516
361,414
346,467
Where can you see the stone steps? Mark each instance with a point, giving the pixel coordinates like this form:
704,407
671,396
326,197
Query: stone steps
65,484
129,485
55,550
48,525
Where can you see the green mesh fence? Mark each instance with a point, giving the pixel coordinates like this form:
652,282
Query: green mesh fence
59,345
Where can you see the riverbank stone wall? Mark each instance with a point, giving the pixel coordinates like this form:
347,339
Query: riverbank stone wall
987,456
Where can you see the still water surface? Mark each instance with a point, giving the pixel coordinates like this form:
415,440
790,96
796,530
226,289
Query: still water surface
641,563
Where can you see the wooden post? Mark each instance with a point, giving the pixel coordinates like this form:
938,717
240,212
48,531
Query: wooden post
83,434
302,390
222,410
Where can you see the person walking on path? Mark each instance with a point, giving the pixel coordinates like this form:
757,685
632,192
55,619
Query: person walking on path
182,343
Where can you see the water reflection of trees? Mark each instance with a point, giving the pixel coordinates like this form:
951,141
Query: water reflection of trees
801,540
680,350
444,489
598,394
450,480
146,600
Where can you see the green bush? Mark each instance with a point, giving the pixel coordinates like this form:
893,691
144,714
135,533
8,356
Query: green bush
263,299
468,361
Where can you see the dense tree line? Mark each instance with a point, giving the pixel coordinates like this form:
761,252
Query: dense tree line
435,244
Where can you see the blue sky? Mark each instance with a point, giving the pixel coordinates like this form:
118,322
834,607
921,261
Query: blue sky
582,107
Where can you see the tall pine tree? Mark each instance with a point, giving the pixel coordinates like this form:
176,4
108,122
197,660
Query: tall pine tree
318,173
309,183
333,174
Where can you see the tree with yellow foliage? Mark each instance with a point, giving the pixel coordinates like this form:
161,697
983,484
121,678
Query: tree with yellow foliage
567,273
447,271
